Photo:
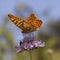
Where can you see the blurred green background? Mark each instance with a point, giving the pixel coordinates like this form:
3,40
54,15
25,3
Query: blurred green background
10,35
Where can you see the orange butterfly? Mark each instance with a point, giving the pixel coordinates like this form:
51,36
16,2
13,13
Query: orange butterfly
29,25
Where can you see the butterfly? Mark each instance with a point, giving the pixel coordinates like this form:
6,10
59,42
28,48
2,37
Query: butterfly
28,25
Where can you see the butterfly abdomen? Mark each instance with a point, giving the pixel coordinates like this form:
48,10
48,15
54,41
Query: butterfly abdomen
16,20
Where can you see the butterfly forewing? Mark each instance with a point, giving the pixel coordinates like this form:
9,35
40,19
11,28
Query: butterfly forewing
32,17
16,20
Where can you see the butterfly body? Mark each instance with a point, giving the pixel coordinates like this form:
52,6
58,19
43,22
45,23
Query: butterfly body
29,25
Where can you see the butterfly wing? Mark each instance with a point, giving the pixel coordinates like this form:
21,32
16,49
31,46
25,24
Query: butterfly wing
32,17
36,24
33,26
16,20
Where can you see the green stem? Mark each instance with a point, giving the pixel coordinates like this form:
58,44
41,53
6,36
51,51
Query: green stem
30,54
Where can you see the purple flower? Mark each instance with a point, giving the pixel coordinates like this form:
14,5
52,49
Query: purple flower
18,49
29,42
